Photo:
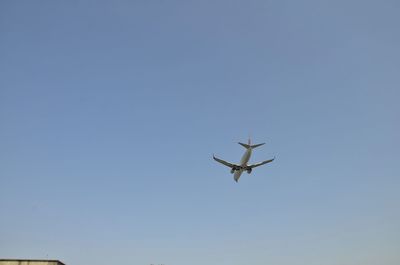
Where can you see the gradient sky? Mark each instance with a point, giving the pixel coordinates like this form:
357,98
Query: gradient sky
110,112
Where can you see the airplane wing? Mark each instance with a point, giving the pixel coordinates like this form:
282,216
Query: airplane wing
225,163
261,163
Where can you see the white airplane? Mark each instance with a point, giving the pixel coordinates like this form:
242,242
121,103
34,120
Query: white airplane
237,170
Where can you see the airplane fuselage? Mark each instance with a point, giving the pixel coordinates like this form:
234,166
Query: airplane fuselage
243,163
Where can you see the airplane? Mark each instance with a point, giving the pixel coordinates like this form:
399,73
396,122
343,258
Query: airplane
237,170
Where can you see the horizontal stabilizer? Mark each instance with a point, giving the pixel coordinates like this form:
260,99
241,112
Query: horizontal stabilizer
247,146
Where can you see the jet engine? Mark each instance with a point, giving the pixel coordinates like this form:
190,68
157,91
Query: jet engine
232,170
249,170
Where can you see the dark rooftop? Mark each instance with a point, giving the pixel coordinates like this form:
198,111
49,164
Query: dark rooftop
33,260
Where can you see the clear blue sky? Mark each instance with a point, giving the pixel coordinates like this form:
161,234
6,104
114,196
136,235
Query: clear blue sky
110,112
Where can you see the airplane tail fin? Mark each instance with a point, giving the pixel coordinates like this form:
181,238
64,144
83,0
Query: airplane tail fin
247,146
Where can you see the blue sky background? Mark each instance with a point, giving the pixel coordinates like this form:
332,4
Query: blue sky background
110,112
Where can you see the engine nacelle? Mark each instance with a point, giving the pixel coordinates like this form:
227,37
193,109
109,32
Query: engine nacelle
249,170
232,170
